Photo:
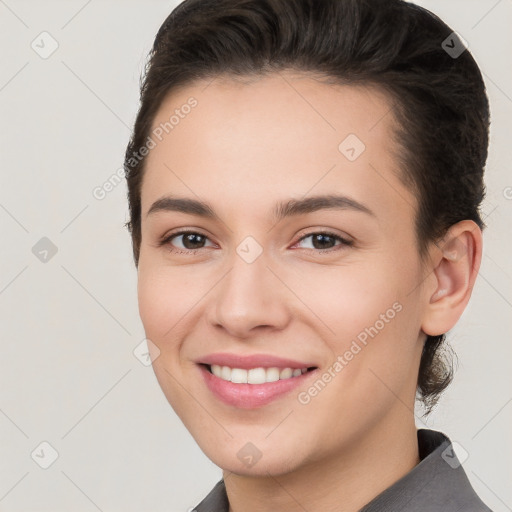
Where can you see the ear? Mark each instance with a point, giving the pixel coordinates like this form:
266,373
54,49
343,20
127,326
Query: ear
457,259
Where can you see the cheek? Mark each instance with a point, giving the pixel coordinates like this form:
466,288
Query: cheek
161,308
161,303
171,303
349,300
372,323
152,303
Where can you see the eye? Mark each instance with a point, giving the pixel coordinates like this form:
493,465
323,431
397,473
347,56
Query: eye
320,239
191,241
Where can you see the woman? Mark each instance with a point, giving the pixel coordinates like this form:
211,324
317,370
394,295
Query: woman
304,188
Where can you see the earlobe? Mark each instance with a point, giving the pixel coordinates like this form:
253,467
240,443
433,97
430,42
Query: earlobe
456,268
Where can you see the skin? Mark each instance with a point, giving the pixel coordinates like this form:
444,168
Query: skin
243,148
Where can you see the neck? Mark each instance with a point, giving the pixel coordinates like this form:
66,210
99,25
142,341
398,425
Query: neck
345,481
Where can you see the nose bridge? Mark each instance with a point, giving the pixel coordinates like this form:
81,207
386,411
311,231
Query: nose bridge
249,295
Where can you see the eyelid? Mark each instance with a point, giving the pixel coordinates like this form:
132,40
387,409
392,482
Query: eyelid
308,232
166,239
345,242
324,231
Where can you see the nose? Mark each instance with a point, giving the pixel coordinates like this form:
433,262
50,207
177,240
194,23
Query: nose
248,299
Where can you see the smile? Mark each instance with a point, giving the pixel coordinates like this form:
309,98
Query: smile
255,381
255,375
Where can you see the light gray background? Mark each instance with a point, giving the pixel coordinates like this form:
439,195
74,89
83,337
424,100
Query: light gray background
68,375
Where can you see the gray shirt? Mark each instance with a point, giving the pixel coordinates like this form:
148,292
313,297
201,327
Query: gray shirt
437,483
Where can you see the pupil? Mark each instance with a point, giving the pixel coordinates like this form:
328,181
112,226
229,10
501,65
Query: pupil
190,238
320,237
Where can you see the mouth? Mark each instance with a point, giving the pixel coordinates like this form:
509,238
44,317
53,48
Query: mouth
250,382
258,375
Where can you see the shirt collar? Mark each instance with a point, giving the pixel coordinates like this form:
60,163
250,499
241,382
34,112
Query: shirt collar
438,482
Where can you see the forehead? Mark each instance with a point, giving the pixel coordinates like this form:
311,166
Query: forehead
253,141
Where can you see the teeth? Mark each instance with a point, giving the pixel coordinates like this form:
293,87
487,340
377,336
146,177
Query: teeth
272,374
286,373
255,375
225,373
239,376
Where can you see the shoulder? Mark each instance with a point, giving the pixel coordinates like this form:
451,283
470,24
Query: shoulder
437,483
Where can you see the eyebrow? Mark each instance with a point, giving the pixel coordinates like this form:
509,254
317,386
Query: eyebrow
281,210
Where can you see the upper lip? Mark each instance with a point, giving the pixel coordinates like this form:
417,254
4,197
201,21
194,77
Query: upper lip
252,361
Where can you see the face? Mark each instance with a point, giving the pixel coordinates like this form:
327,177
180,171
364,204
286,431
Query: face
281,336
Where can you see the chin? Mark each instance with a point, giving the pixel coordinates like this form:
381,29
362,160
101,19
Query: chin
275,465
259,458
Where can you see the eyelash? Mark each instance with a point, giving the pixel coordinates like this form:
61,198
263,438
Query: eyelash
167,242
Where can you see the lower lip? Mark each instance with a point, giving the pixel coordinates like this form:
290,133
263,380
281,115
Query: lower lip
250,396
